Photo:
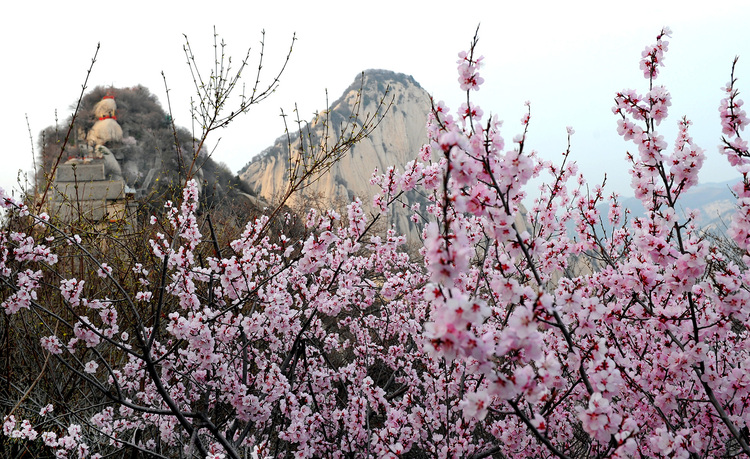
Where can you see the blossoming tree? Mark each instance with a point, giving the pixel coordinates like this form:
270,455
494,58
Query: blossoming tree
505,337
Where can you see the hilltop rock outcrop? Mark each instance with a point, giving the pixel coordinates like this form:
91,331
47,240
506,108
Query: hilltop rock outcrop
136,143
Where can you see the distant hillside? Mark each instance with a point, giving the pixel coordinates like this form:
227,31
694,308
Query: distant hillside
396,141
714,202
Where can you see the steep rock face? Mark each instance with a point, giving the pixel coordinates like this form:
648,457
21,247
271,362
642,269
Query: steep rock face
396,141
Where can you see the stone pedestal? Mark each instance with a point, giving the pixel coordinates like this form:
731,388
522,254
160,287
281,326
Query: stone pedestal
81,190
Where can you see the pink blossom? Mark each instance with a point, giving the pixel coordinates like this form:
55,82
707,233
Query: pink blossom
52,344
104,270
71,290
143,296
91,367
9,424
599,420
50,439
468,67
475,405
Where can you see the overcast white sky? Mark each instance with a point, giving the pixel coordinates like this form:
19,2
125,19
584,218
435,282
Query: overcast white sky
567,58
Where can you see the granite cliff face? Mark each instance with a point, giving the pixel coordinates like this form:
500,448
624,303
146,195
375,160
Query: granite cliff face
395,142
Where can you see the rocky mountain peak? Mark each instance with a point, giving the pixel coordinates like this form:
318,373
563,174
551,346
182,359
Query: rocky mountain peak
394,142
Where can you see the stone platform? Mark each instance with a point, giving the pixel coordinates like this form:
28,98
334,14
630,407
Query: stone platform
82,190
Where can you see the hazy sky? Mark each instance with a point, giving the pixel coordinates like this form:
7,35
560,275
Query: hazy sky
568,58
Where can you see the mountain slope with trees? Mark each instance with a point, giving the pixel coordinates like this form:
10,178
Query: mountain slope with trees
154,155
